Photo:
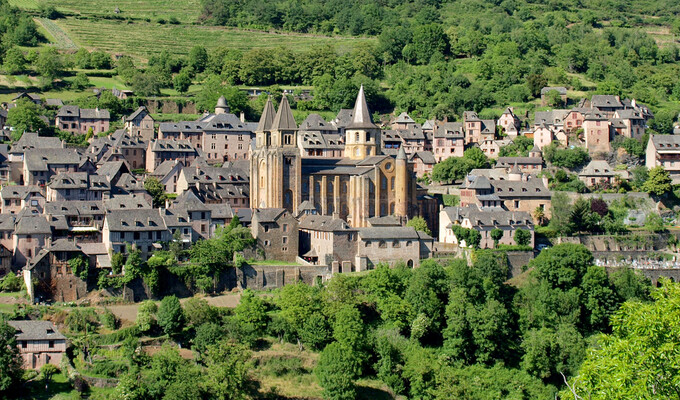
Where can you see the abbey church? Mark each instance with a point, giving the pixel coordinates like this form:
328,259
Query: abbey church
362,185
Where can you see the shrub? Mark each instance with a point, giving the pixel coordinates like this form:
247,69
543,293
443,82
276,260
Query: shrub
11,283
282,365
109,319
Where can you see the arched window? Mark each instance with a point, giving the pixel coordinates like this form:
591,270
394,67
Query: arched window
382,244
392,183
356,137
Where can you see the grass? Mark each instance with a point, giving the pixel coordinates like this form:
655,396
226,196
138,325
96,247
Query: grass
142,39
158,117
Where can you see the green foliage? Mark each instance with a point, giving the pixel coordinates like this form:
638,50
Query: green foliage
146,318
654,223
632,146
25,117
79,266
496,234
562,266
14,61
631,285
82,320
298,302
471,237
565,158
182,81
207,334
315,331
642,346
520,147
199,312
10,360
109,319
561,209
81,81
213,88
252,310
336,372
170,315
454,168
522,237
658,182
419,224
49,65
227,369
47,371
11,283
156,190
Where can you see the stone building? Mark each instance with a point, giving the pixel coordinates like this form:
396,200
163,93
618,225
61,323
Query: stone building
79,120
663,150
276,232
484,220
141,123
362,185
597,132
39,343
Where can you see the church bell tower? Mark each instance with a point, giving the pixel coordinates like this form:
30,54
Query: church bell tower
362,136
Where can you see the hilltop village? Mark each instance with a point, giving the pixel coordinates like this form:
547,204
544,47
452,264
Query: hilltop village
319,198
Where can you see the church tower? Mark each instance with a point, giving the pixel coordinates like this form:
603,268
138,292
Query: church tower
362,136
401,185
275,160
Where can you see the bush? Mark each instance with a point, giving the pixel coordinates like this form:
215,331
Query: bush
282,365
109,319
11,283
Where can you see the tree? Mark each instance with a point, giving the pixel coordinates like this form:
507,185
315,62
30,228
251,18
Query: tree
252,310
496,235
25,117
522,237
10,360
227,368
170,315
47,371
199,312
315,331
298,302
419,224
79,266
156,190
49,65
81,81
561,214
198,58
654,223
639,359
535,83
146,319
14,61
213,88
182,81
336,371
658,182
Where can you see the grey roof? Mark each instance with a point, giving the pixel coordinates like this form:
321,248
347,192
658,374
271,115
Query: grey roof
126,202
19,192
85,113
595,115
36,330
606,101
110,168
173,145
78,180
227,174
31,140
449,130
323,223
32,224
404,118
532,187
138,112
505,162
630,114
479,182
470,116
554,117
388,232
490,217
314,122
284,121
54,102
597,168
426,156
41,159
268,214
74,208
7,222
222,103
387,220
135,220
361,116
267,118
344,118
318,140
559,89
665,143
162,170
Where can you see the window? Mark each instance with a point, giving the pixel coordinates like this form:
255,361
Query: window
396,244
285,227
240,138
368,244
24,344
265,227
50,344
382,244
284,249
267,243
240,146
212,146
284,239
409,243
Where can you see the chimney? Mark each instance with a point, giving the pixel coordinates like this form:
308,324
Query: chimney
242,117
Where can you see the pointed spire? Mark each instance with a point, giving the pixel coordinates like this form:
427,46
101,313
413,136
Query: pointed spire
267,118
361,117
401,154
284,120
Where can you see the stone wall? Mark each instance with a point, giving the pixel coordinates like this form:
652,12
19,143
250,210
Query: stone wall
517,260
170,107
622,243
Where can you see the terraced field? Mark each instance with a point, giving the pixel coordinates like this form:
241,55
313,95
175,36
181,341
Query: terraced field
142,39
186,11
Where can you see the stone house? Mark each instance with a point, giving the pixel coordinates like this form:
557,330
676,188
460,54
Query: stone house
597,131
79,120
41,164
142,227
543,136
140,123
51,269
31,233
161,150
510,122
484,221
317,144
607,104
574,119
476,129
391,245
448,140
561,91
599,173
14,198
167,173
633,121
491,148
39,343
324,240
423,162
528,165
664,150
403,122
276,231
78,186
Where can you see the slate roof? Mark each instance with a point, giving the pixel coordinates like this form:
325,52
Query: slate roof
404,118
267,117
490,217
7,222
284,121
165,168
323,223
665,143
605,101
84,113
54,102
32,224
532,187
137,113
40,159
36,330
19,192
136,220
75,208
318,140
314,122
426,156
109,169
268,214
387,233
31,140
387,220
449,130
361,116
479,182
505,162
344,118
597,168
159,145
126,202
554,117
630,114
